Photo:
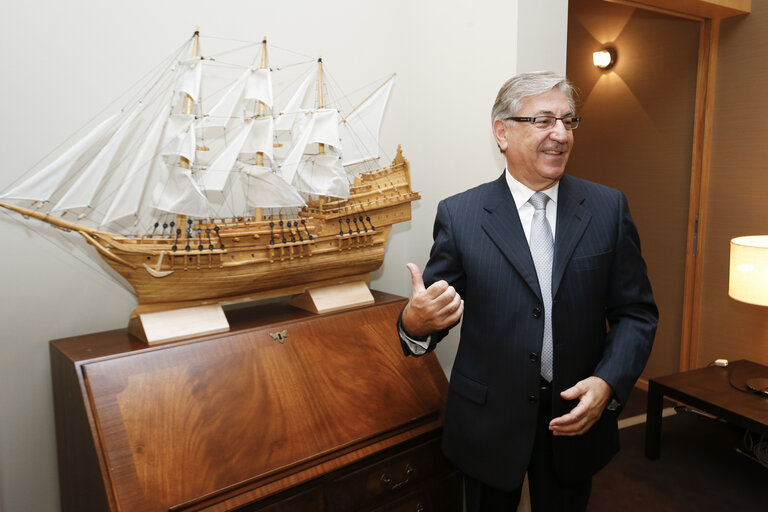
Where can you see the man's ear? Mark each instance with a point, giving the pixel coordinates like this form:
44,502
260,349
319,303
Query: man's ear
500,132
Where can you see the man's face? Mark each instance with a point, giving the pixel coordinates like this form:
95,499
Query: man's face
537,157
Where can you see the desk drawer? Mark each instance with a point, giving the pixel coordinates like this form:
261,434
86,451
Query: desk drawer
443,495
389,478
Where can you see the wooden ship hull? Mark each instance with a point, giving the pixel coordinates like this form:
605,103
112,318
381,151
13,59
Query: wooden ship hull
232,260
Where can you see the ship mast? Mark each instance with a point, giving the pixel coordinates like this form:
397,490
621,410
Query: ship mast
320,103
188,109
257,212
262,107
188,102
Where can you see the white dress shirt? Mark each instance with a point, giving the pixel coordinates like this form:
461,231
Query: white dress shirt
521,194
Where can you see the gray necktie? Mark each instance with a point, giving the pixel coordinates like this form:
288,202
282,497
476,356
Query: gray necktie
542,246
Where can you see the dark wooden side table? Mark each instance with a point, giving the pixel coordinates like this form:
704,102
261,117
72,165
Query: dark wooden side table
712,390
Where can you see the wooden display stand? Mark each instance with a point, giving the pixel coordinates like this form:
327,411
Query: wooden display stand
178,324
288,411
328,299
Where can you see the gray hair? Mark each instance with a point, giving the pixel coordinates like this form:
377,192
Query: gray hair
523,85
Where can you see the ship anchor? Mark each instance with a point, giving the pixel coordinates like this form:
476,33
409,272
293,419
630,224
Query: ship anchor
156,272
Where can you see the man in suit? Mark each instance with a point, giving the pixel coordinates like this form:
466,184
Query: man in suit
558,316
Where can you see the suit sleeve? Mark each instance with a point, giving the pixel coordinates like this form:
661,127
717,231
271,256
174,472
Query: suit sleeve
630,309
444,264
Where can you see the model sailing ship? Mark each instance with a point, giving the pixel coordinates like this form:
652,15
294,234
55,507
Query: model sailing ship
195,200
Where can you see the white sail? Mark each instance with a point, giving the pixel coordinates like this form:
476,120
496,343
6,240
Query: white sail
325,129
214,179
316,174
322,175
42,185
265,189
293,108
189,77
179,139
233,203
129,196
260,139
81,193
221,113
252,187
259,86
179,194
291,163
360,130
130,166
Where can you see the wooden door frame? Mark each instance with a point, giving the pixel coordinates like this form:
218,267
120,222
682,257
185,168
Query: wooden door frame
699,193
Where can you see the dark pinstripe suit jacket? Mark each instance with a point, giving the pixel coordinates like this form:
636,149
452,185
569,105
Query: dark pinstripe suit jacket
599,280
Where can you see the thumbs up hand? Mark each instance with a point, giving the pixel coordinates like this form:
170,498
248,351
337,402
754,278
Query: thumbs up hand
430,309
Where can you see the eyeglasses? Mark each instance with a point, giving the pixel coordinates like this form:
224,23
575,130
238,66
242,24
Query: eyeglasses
548,122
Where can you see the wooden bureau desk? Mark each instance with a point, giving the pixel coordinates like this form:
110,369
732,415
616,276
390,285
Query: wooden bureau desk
331,417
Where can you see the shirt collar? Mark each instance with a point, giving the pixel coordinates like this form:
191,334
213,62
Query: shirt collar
521,194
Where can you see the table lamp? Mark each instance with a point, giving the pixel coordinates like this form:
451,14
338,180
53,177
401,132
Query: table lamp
748,282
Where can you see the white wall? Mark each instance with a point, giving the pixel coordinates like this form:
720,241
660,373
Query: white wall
63,61
542,31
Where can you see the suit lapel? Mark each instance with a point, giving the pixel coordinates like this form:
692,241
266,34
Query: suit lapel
572,219
502,224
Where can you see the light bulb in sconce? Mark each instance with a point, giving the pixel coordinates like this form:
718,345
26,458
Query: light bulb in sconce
604,59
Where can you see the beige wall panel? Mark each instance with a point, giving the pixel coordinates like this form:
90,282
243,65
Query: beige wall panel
637,136
738,190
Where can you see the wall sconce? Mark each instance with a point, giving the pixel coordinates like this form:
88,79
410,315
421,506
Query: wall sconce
605,59
748,282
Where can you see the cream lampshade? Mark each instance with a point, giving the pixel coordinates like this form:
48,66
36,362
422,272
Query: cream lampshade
748,282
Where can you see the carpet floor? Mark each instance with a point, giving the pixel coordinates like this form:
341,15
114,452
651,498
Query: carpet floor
699,470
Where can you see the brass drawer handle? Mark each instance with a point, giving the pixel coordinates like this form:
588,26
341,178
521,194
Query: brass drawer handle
387,480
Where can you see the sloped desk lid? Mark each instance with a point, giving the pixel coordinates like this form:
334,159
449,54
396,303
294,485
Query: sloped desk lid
187,421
